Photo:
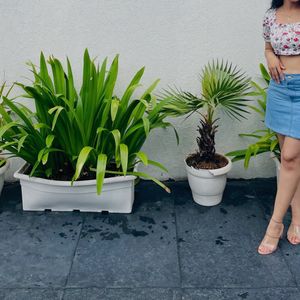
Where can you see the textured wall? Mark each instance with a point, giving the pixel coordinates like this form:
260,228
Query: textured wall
172,38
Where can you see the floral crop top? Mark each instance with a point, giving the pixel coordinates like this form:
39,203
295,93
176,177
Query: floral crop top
284,38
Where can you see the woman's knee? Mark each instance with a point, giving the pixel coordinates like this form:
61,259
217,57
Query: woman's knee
290,159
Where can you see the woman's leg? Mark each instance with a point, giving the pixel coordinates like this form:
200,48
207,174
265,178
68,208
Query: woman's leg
293,234
287,186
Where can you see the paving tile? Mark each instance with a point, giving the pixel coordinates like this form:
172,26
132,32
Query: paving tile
30,294
129,250
291,254
217,245
249,294
36,249
135,256
265,190
11,199
122,294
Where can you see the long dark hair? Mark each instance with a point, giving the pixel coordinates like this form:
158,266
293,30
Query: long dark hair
278,3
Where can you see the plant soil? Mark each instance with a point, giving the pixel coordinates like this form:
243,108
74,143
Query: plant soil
194,160
66,174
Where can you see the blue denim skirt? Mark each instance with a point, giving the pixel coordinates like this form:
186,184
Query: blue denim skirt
283,106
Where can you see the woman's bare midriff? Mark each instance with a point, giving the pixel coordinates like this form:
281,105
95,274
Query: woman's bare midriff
291,63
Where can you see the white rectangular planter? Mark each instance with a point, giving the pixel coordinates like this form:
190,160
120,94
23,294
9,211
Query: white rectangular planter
38,194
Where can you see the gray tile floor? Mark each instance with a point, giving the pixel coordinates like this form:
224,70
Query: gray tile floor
168,248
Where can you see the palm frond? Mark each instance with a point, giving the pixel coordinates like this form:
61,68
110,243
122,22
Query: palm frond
224,85
180,102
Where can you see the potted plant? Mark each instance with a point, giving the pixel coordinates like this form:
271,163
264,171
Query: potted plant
3,169
4,163
266,139
225,87
76,141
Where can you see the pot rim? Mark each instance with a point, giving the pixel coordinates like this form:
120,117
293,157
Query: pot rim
20,175
218,171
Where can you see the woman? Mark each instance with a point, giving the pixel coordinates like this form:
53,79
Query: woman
281,31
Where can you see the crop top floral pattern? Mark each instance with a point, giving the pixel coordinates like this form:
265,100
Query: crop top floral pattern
284,38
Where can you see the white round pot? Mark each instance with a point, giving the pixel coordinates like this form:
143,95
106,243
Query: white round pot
3,169
208,185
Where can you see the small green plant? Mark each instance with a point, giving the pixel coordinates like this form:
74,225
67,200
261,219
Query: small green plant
2,88
76,135
224,87
266,139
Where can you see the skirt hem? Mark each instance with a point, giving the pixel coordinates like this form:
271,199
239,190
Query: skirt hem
285,133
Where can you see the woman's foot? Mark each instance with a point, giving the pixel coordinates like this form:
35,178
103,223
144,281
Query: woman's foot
293,234
270,241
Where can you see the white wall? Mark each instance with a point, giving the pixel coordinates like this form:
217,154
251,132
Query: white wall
174,39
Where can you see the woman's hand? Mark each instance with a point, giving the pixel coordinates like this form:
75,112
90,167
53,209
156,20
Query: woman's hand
275,66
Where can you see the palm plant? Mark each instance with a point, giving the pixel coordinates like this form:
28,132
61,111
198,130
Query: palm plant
266,139
80,133
223,86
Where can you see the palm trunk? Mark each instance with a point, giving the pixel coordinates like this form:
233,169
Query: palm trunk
206,140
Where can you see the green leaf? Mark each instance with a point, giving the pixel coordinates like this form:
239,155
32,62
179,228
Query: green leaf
26,120
143,157
250,135
45,158
7,127
100,130
117,137
21,142
41,153
48,172
141,174
34,167
81,160
101,167
146,123
150,89
49,140
124,157
112,77
237,153
131,88
264,73
41,125
147,176
57,110
114,108
44,72
273,145
157,164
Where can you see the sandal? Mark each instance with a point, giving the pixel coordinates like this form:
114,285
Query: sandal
267,248
293,234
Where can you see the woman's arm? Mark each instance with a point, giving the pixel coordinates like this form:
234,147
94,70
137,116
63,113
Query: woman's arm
275,66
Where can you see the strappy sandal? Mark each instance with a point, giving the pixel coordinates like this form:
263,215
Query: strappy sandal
270,248
293,234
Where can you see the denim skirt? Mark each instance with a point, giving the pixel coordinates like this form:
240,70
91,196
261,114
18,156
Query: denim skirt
283,106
